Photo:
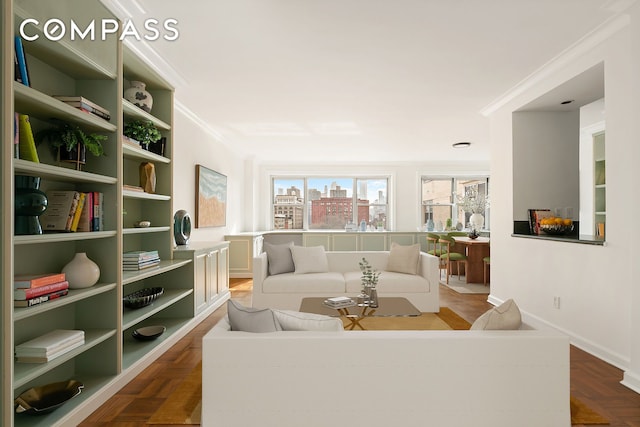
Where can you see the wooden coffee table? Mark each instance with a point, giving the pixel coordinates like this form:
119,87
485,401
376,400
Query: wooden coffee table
387,306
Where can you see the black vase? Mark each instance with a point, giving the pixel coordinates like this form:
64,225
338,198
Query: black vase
29,204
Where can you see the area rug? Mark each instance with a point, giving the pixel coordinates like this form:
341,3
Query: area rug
461,287
183,406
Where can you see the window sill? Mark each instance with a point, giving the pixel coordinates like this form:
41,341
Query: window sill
584,239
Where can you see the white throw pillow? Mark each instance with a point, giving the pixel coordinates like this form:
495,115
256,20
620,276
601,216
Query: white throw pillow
311,259
279,258
504,317
248,319
404,259
301,321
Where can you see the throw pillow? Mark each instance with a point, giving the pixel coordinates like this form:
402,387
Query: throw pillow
300,321
504,317
248,319
404,259
279,258
311,259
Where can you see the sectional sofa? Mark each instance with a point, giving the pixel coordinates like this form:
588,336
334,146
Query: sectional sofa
318,273
497,378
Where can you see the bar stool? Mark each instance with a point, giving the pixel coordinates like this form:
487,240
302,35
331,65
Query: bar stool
486,261
452,257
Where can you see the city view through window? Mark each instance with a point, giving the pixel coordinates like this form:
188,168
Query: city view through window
439,202
329,203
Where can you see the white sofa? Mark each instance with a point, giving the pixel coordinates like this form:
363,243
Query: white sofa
385,378
285,291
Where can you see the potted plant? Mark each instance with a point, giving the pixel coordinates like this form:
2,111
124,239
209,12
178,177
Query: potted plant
71,142
142,131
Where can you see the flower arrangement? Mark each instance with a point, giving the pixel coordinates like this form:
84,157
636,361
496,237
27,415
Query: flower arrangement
369,275
473,201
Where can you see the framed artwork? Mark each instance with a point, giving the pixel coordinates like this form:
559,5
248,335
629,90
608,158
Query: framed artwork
211,198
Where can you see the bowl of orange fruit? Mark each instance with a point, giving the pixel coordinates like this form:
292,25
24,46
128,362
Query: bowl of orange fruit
556,226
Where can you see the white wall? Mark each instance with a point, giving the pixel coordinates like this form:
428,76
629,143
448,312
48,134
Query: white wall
404,189
193,144
597,285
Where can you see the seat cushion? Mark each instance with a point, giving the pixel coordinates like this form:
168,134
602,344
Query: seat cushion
329,284
388,282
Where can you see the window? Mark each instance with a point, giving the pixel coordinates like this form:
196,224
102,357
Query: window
439,200
330,203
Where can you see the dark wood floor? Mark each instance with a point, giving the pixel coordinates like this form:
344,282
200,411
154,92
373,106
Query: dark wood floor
593,381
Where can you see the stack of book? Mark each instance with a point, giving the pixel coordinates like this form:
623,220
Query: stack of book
34,289
339,302
49,346
83,104
138,260
70,210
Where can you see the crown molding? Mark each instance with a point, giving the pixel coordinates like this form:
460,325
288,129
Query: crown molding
576,50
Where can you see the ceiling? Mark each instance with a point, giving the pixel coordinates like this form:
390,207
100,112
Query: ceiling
357,80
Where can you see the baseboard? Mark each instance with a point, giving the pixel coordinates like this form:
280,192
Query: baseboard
582,343
631,380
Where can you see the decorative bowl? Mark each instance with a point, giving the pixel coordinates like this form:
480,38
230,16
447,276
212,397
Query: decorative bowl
46,398
142,224
557,229
143,297
148,333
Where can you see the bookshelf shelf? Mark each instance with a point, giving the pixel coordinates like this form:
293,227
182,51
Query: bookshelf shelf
165,266
58,173
132,152
133,112
128,194
38,104
62,237
145,230
132,317
25,372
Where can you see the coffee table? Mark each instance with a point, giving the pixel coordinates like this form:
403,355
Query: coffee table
387,306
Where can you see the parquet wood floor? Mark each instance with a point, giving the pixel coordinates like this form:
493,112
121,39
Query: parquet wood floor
593,381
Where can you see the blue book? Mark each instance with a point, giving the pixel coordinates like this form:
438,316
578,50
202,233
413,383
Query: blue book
22,61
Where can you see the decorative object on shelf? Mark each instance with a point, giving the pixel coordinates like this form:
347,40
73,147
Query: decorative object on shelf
430,225
474,234
138,95
142,224
211,198
72,143
30,203
159,146
473,202
449,225
148,177
556,229
148,333
181,227
81,272
142,131
46,398
143,297
459,226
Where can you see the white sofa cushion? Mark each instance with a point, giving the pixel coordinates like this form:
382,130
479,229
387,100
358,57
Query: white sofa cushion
312,259
388,282
504,317
329,284
298,321
404,259
248,319
279,258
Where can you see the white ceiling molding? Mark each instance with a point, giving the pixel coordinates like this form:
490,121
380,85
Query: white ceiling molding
583,45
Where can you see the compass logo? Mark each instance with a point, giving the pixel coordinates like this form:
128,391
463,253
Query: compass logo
55,29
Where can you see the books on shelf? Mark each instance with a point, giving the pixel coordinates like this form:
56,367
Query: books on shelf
139,260
27,145
23,294
39,300
534,217
60,211
78,212
339,302
25,281
86,216
128,187
97,222
49,346
22,70
86,105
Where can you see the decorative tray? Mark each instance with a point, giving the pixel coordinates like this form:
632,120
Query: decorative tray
557,229
143,297
46,398
148,333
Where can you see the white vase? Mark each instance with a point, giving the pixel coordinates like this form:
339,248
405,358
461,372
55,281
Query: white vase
138,95
81,272
477,221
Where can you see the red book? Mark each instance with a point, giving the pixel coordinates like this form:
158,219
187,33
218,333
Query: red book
34,280
24,294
